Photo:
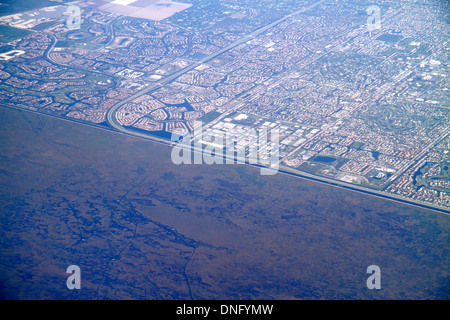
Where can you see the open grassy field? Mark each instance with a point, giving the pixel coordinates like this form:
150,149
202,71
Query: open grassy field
140,227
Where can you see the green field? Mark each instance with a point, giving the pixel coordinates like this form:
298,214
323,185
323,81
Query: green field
8,34
210,116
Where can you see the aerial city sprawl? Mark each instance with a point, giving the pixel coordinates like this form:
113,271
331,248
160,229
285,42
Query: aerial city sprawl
358,94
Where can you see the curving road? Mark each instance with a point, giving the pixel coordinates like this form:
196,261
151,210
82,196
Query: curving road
111,115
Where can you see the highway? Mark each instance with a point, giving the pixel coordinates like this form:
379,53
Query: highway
282,169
